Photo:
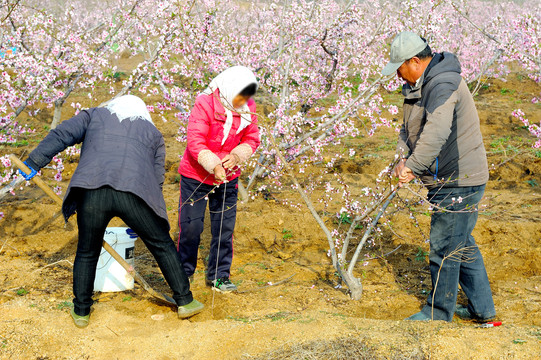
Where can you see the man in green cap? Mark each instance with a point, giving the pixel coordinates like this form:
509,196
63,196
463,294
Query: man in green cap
440,142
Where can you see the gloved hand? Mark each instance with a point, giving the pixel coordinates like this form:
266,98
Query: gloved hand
28,177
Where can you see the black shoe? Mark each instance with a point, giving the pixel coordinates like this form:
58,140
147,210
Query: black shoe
462,312
222,285
420,316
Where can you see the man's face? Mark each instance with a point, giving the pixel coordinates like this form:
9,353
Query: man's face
409,71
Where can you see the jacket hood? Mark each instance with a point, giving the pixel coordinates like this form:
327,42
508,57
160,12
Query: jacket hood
441,63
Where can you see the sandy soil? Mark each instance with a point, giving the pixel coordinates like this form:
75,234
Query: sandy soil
305,316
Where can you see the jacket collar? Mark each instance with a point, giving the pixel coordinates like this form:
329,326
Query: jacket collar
415,92
219,110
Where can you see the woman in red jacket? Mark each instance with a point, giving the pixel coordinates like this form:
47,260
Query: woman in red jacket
222,134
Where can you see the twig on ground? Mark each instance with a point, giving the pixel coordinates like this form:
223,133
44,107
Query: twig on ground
112,330
268,285
8,290
5,243
56,262
534,291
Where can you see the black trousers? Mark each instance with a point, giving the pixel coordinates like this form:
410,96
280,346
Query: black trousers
194,196
95,208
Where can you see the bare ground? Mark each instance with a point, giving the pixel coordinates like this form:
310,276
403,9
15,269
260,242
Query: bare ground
305,316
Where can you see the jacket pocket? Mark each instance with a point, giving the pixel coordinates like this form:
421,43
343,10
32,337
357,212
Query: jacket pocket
415,120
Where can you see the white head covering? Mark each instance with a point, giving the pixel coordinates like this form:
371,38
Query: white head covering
231,82
128,107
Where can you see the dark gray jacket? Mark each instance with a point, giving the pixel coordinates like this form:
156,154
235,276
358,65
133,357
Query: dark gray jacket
441,135
127,156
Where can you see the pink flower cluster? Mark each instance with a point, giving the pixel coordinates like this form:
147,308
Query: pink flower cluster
534,129
318,62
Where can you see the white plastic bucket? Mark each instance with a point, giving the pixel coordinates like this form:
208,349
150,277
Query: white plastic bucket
110,275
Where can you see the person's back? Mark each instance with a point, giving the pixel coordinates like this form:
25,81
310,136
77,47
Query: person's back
119,149
120,174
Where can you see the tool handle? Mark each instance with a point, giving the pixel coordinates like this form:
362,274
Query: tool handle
37,180
136,275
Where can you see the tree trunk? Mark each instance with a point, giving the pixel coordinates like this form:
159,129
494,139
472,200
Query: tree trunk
242,191
57,113
354,285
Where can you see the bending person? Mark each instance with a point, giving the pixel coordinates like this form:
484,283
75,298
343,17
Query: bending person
222,134
441,143
120,173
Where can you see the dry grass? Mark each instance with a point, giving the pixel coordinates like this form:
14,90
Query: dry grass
343,348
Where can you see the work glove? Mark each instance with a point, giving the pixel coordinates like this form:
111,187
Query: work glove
28,177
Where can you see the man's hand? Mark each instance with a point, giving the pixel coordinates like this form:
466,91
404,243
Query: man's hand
230,161
219,173
398,168
405,176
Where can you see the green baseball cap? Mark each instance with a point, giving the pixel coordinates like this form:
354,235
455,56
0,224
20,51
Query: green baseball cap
405,45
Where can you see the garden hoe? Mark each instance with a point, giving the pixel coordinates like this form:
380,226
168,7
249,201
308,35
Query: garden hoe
162,297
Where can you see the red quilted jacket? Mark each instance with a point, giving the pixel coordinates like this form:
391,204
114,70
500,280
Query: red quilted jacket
205,132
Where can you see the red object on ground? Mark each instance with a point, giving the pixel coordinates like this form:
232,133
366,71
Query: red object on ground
491,324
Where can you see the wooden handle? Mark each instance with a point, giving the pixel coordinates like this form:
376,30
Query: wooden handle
37,180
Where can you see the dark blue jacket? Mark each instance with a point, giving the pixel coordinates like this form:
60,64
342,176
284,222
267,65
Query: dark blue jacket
127,156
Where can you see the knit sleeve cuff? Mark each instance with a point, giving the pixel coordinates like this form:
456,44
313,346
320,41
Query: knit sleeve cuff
32,164
208,160
243,151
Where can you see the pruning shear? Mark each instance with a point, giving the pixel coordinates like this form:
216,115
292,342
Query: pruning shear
490,324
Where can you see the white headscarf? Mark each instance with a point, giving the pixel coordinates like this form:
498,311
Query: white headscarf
128,107
231,82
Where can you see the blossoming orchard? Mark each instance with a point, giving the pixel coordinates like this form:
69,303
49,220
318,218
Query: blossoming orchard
318,64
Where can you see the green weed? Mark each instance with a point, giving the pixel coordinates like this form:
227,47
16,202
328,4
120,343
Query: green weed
287,234
504,91
421,255
64,305
240,318
19,143
22,292
278,316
